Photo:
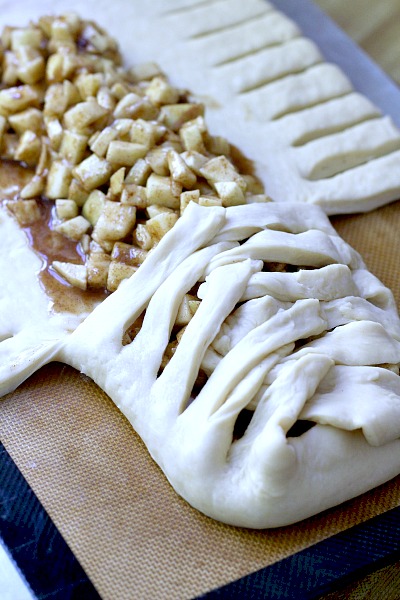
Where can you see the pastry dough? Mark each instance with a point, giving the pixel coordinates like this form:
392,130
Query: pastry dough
298,407
266,477
268,90
319,347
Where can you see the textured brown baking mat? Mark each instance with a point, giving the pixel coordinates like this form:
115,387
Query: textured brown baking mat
132,534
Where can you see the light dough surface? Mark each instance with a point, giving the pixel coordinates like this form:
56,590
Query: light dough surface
299,408
30,330
295,351
268,90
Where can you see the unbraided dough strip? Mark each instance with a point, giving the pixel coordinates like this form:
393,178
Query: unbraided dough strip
268,90
312,137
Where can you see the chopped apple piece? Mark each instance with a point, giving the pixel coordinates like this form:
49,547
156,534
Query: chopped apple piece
143,132
175,115
139,173
128,254
54,131
159,225
135,195
127,106
73,146
210,201
125,153
76,275
116,220
83,115
230,193
117,272
94,206
28,149
15,99
156,209
25,211
93,172
66,209
33,188
195,160
58,180
185,313
142,238
191,134
30,119
98,264
160,191
161,92
116,182
100,141
189,196
180,171
74,228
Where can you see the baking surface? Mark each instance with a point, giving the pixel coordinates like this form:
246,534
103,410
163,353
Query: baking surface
132,534
375,26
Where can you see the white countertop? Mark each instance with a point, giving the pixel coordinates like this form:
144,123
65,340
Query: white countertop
12,585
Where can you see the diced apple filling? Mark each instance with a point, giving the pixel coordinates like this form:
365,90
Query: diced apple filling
120,153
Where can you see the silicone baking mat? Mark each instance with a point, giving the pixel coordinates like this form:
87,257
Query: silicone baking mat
85,511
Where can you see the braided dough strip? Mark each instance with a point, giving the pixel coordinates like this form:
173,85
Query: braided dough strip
286,355
265,478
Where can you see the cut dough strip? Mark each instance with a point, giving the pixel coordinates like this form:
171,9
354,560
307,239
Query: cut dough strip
327,283
202,19
312,247
295,92
353,147
254,36
269,124
372,390
267,65
334,116
270,108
